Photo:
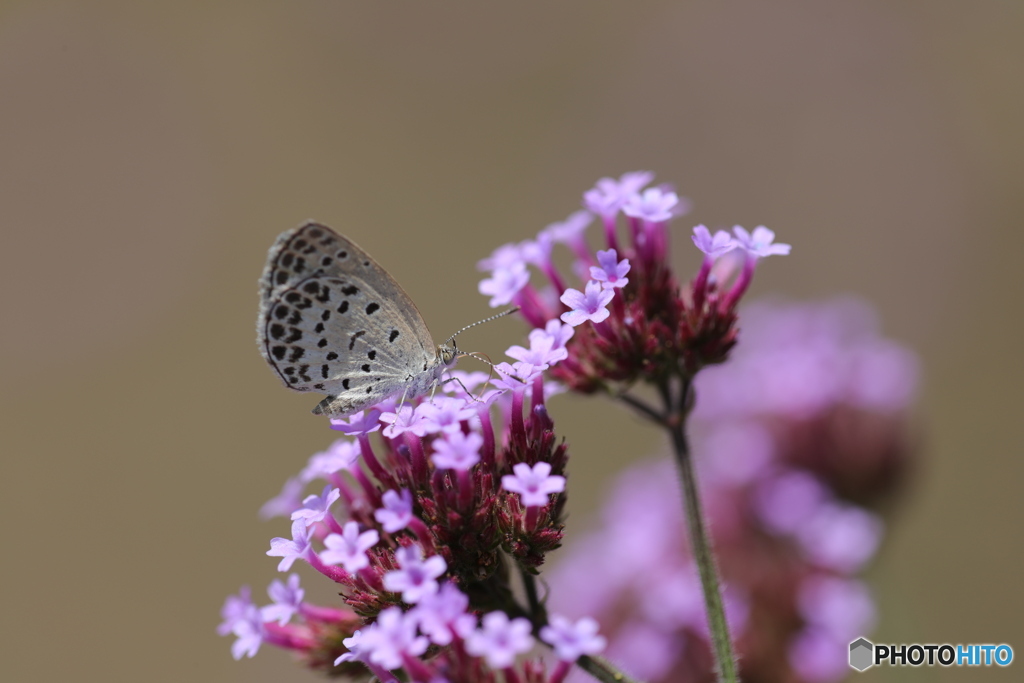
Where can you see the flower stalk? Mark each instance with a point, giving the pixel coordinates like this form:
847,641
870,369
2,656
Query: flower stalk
700,543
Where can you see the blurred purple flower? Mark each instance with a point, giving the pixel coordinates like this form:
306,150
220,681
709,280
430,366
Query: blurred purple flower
287,600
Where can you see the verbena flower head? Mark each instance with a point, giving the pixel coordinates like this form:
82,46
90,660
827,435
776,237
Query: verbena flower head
413,526
646,327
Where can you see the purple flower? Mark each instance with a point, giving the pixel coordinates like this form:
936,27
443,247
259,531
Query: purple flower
648,652
558,331
608,195
604,198
504,257
590,306
737,453
467,382
537,251
883,376
517,376
819,657
439,613
500,640
632,182
397,511
342,455
571,229
533,485
445,414
250,633
843,607
721,243
287,600
417,577
235,607
543,351
315,508
760,243
457,451
404,419
285,502
504,284
573,640
784,502
363,422
349,547
610,272
387,641
292,549
841,537
654,205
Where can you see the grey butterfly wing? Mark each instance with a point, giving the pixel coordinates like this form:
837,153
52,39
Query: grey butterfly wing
333,321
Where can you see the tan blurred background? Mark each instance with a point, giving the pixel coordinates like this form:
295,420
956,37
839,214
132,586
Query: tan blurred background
151,152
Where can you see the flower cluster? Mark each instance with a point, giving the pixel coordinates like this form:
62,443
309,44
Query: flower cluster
805,425
654,329
423,514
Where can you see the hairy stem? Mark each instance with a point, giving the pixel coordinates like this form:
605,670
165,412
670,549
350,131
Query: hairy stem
700,542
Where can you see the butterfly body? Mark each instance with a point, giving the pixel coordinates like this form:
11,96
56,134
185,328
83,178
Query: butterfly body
333,321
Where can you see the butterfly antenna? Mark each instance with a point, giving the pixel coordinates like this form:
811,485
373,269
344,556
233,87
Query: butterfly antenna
483,358
481,322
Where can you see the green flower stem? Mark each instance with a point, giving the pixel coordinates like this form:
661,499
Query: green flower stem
700,541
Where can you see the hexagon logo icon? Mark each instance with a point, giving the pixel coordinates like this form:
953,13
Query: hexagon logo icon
861,654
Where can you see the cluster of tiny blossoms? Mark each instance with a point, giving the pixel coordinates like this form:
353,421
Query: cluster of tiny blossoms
422,529
798,437
654,329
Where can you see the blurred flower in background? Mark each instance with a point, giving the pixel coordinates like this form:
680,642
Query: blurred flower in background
800,438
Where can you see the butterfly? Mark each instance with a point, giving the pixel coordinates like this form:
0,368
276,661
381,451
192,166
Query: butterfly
332,320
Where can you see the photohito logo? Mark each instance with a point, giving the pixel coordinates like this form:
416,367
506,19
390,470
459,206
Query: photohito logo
865,654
